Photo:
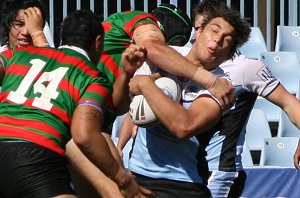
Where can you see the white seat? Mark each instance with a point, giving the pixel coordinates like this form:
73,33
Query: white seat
279,151
254,45
246,156
286,128
257,129
288,39
285,66
272,111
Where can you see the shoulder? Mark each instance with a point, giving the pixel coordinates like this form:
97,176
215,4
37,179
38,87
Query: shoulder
243,65
129,17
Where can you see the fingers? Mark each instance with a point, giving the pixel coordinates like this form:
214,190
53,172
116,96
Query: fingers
297,157
154,76
33,19
296,164
223,90
37,11
296,161
33,12
229,96
135,52
146,192
133,58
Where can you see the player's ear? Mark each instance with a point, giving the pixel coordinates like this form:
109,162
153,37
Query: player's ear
198,32
99,43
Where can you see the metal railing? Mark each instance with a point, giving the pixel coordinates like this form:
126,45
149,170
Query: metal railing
264,13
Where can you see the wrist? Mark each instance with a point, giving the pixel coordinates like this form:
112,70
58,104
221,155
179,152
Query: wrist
39,39
205,78
121,178
127,75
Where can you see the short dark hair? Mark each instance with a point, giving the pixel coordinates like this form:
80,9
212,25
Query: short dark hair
220,9
204,7
80,28
175,22
9,12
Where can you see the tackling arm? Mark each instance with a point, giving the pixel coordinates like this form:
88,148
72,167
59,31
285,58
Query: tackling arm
85,129
164,57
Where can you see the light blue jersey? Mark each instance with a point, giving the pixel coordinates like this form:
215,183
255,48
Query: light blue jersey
159,154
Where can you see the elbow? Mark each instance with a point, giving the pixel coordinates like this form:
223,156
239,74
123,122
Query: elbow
80,138
181,131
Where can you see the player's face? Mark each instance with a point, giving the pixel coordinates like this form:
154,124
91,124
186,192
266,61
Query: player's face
18,34
214,42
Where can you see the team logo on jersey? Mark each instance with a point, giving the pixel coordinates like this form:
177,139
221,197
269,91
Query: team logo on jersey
265,74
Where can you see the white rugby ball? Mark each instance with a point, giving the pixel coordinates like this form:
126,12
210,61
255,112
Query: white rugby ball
141,113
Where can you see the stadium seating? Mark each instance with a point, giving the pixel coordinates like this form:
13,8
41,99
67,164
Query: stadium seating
285,66
278,151
257,129
286,128
272,111
246,156
254,45
288,39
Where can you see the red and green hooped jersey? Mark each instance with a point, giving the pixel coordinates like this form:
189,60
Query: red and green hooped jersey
119,29
40,91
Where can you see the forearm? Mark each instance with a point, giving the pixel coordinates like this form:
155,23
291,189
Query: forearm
177,64
173,116
297,157
183,123
112,147
125,132
39,39
121,98
84,173
102,158
290,105
85,129
293,111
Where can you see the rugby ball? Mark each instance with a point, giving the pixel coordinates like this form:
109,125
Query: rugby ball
141,113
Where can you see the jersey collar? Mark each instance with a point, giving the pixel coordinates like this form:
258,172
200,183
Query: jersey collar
77,49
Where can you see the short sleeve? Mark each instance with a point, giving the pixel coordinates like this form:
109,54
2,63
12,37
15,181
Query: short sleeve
98,94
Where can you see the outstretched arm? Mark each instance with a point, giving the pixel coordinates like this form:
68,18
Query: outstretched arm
166,58
291,106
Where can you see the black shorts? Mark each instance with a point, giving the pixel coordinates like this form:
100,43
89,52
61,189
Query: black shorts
29,170
164,188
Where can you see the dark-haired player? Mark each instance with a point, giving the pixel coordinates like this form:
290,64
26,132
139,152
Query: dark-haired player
48,96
